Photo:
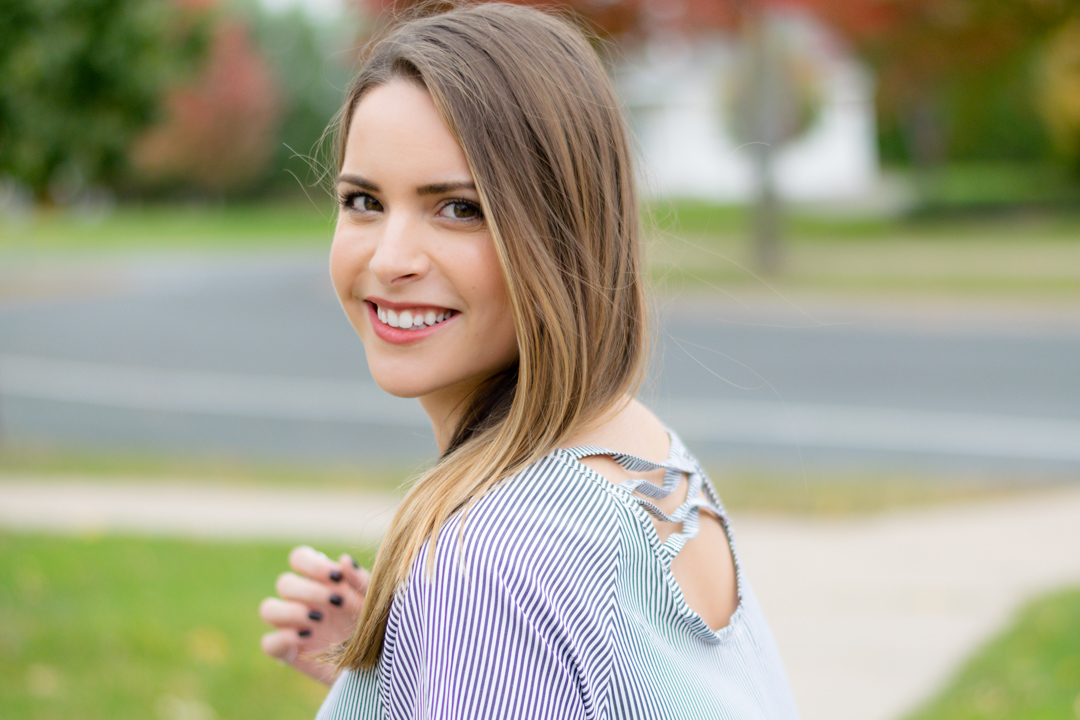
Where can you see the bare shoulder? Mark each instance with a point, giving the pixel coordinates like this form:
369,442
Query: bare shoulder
705,568
632,429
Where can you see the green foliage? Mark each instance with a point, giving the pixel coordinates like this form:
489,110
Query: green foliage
986,186
313,69
986,116
131,628
1059,90
81,79
1029,672
993,116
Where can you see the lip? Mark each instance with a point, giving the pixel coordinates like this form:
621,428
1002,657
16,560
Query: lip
400,305
397,336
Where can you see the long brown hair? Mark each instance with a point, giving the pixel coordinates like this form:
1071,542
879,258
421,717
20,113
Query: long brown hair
540,125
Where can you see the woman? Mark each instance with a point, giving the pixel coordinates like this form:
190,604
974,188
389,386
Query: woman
566,556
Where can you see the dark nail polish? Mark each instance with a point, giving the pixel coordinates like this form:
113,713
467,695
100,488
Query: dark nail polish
315,615
335,575
336,599
354,563
304,633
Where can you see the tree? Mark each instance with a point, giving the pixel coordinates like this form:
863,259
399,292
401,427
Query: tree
1059,96
81,79
312,62
924,50
219,127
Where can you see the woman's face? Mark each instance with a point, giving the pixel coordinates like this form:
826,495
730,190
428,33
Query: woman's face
412,261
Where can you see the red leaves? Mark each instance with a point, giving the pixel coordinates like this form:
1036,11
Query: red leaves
220,127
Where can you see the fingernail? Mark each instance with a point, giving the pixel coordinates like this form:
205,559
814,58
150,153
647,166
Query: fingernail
315,615
354,563
336,599
335,575
304,633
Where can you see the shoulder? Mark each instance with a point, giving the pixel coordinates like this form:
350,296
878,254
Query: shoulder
553,523
526,597
538,558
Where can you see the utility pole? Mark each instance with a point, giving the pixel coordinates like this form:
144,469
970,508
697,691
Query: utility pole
764,114
768,108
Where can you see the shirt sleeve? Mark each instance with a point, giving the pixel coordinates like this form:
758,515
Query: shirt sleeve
516,622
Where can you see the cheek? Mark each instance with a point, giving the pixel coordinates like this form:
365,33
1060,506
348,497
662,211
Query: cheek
501,316
345,264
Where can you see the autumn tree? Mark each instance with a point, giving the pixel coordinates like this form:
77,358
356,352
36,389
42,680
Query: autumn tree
219,127
926,50
81,79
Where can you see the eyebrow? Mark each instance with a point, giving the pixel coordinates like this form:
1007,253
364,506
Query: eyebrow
432,189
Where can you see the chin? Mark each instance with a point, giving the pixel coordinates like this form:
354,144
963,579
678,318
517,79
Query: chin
400,387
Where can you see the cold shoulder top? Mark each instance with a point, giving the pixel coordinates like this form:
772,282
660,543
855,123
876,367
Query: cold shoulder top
561,604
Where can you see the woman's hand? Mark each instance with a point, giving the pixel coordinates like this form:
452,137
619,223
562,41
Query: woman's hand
318,609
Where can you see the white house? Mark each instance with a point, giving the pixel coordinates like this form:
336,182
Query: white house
679,96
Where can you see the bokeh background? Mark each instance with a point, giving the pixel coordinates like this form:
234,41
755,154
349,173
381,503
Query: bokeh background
863,223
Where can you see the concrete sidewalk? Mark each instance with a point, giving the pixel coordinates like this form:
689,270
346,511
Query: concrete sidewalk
871,614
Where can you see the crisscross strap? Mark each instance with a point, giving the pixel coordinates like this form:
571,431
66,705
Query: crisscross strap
679,461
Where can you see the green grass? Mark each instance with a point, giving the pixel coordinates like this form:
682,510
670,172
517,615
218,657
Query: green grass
1031,671
157,228
117,628
693,245
697,247
850,494
47,462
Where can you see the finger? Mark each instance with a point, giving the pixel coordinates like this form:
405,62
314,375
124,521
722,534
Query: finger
285,614
318,596
281,645
357,577
309,562
287,647
302,590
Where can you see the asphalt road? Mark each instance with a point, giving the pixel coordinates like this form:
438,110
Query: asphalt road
254,358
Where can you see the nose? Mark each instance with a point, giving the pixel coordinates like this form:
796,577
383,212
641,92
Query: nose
399,256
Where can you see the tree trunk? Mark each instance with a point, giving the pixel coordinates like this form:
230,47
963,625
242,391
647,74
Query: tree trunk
765,111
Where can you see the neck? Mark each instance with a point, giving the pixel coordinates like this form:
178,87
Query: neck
444,409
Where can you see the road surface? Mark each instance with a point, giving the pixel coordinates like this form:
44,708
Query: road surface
252,357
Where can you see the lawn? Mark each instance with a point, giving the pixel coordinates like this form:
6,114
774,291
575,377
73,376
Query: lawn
1027,256
120,628
692,246
161,228
117,628
1030,671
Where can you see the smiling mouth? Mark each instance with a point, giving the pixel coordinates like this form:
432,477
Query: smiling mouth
414,318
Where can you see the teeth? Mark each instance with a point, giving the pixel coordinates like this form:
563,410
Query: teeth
407,320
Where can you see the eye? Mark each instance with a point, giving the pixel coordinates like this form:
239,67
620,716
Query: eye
360,202
465,210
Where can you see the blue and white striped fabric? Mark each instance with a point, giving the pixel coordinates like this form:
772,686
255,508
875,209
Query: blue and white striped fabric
561,604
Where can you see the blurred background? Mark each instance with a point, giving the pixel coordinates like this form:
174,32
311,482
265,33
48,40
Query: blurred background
863,222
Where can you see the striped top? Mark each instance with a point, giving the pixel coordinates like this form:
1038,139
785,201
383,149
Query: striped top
561,603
